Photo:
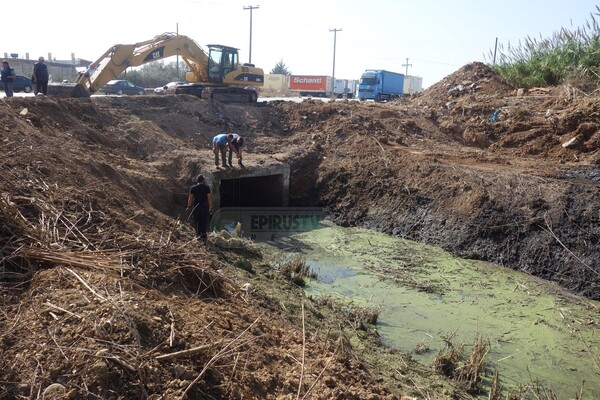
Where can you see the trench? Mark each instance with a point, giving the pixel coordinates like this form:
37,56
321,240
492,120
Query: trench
537,332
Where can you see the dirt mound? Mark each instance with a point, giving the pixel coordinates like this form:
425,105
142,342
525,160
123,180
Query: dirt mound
472,79
476,107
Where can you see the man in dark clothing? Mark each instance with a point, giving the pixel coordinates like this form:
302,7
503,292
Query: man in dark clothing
200,202
40,77
8,78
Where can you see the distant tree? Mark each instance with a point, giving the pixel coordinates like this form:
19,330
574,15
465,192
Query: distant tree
280,68
156,73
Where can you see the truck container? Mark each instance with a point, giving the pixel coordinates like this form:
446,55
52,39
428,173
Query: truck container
276,85
345,88
311,85
382,85
412,84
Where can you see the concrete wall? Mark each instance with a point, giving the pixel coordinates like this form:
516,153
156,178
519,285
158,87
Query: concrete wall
59,70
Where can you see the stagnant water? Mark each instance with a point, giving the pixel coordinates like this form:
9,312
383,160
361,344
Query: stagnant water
537,332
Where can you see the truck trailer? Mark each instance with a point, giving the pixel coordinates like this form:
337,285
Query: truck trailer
345,88
311,85
382,85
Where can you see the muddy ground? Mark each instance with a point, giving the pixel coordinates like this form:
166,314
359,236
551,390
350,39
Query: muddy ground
106,294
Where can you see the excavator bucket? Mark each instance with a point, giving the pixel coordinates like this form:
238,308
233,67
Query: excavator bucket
61,89
80,91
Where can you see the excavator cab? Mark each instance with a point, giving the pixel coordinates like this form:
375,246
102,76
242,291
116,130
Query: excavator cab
222,60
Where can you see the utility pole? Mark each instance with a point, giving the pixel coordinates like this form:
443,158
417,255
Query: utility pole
250,8
335,31
177,65
407,65
495,49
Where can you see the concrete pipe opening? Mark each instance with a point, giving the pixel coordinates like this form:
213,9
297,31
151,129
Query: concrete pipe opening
258,187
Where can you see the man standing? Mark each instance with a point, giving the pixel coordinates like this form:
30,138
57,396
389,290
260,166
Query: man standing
40,77
200,203
236,146
8,78
220,145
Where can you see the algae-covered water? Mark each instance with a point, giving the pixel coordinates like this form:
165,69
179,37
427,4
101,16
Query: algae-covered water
537,332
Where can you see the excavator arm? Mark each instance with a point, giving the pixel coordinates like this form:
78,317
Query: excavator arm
220,68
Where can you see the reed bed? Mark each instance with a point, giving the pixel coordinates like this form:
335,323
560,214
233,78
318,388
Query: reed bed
569,56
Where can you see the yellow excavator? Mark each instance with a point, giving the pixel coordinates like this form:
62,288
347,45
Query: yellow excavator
217,74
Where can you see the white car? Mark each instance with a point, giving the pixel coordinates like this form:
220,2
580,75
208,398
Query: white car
164,89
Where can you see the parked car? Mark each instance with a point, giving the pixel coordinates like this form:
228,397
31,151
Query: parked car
121,87
21,83
167,88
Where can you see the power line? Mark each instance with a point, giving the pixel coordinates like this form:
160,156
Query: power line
437,62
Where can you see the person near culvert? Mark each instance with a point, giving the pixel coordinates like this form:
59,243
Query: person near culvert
200,204
236,147
8,78
220,145
40,77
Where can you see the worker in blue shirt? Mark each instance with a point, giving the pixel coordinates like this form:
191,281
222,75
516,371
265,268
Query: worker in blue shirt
40,77
221,145
8,79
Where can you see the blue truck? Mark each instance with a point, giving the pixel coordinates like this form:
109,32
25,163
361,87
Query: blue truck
382,85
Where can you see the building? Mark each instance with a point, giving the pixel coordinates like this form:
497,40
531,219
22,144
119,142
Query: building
59,70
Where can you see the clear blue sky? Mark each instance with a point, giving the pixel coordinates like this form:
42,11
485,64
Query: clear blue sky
437,36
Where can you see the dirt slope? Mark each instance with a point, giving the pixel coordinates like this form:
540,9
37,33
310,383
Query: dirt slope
102,282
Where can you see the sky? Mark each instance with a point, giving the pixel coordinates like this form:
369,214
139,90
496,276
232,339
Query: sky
426,38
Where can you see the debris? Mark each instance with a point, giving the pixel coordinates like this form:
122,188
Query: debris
539,90
571,142
494,117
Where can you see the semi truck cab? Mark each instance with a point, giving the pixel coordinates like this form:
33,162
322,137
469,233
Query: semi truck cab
381,85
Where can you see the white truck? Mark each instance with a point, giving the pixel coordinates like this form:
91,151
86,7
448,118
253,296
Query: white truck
345,88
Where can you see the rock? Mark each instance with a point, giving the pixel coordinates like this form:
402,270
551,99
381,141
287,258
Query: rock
54,391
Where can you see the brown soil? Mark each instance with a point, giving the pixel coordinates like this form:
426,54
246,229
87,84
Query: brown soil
106,294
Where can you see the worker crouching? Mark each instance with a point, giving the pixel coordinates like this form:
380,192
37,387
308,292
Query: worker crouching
221,145
235,146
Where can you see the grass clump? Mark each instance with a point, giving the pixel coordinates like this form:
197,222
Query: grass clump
358,317
296,270
569,56
451,362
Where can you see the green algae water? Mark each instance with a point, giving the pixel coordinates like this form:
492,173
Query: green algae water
537,332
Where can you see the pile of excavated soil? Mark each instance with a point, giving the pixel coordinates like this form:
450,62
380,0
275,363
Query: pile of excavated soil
106,294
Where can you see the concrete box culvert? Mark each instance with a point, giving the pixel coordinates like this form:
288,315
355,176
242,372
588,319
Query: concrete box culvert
250,187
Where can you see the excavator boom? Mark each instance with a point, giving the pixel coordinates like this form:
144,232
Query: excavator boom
218,70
